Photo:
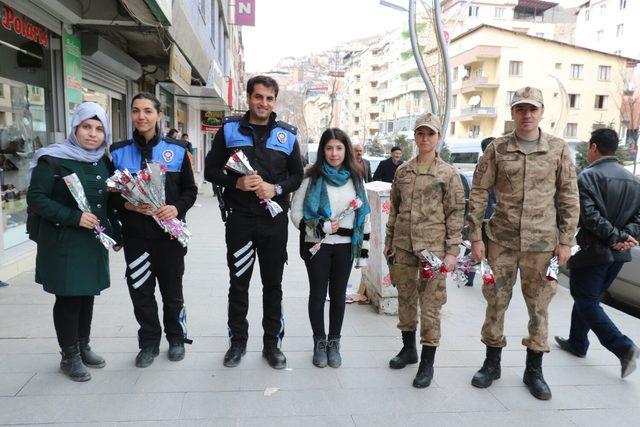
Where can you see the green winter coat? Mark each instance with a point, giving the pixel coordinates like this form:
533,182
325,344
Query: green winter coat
71,261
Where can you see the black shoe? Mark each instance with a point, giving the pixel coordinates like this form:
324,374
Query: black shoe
568,347
425,369
274,357
233,356
176,352
320,352
71,364
89,358
145,356
533,377
490,370
333,353
408,354
628,361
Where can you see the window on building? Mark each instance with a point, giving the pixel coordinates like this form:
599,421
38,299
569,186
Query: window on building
617,52
576,71
541,35
604,72
452,128
357,91
603,9
357,77
623,4
474,131
586,15
558,65
220,39
214,21
619,30
455,74
373,100
553,125
510,94
454,101
473,10
574,100
601,102
509,126
599,35
357,105
478,73
499,13
515,68
571,130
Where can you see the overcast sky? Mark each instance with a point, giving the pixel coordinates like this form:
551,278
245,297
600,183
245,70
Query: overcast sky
300,27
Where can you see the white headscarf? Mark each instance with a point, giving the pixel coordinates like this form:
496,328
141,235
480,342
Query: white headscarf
71,149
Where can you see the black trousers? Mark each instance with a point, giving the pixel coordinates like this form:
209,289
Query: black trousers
329,267
266,237
149,260
72,318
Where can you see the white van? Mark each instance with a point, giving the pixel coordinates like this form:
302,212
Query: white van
465,152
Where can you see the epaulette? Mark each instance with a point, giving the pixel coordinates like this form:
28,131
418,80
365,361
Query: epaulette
179,142
228,119
287,126
120,144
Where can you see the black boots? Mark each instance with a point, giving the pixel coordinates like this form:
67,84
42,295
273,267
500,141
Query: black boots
89,358
566,346
145,356
333,353
71,364
176,351
233,356
408,355
490,368
425,369
320,352
533,376
275,357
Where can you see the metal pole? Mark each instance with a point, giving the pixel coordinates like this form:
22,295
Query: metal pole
446,63
418,57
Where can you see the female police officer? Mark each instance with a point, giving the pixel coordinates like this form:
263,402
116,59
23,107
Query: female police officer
150,253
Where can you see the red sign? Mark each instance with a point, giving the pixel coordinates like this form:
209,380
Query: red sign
230,93
211,121
20,25
246,13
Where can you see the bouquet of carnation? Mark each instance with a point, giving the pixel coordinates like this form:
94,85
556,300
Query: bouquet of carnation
554,269
77,191
351,207
147,187
488,278
239,163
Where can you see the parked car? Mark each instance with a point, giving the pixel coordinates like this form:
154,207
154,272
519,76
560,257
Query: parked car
625,289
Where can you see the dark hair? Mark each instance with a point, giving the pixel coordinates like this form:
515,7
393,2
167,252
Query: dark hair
185,134
395,148
606,140
265,81
485,143
172,130
151,97
349,157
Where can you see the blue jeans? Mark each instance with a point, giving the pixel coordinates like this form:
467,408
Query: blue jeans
587,285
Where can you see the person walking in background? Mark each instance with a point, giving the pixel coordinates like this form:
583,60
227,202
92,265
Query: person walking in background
330,186
609,227
70,262
387,168
364,164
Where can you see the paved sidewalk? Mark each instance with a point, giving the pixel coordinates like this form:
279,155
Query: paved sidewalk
363,392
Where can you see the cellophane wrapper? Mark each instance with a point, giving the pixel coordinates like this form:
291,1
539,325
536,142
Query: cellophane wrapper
353,205
239,163
77,191
488,278
148,187
554,269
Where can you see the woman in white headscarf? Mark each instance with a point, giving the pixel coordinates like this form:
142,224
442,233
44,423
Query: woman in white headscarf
71,262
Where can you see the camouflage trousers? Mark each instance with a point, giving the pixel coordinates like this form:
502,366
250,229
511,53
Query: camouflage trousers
536,289
405,275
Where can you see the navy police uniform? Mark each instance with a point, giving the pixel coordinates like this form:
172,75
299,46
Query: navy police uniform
150,253
274,153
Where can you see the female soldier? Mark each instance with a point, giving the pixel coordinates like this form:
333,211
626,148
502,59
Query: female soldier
427,211
150,253
331,184
71,263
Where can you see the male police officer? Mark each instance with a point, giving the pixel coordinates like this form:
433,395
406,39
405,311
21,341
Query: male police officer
528,169
273,152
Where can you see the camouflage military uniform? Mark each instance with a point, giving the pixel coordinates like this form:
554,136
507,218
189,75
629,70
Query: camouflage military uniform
427,212
525,228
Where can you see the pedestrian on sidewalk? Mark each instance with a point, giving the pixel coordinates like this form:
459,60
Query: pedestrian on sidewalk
364,164
387,168
150,253
272,149
528,169
329,188
609,227
427,212
71,263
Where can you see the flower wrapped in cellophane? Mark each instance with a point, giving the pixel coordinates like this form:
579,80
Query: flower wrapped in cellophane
351,207
147,187
554,268
239,163
77,191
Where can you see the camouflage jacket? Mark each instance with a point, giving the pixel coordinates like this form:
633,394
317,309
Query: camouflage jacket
537,195
427,210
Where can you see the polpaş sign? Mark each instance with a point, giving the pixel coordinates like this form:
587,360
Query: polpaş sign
20,25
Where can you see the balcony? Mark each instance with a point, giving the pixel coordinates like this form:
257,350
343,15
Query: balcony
476,84
476,113
477,54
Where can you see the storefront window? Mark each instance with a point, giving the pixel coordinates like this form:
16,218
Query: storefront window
25,115
182,118
166,99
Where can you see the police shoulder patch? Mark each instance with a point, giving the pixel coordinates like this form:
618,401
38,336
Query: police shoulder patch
167,155
282,137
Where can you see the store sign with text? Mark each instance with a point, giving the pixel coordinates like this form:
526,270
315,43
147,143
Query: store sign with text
246,13
179,69
211,121
19,24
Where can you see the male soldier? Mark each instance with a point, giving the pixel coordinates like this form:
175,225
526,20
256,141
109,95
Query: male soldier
273,151
427,212
527,168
